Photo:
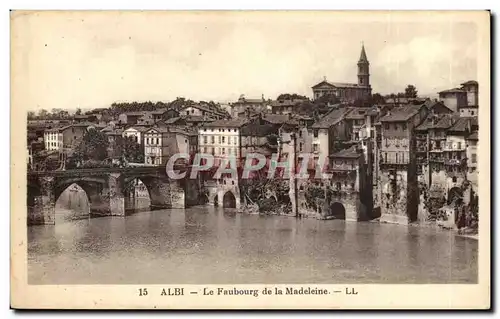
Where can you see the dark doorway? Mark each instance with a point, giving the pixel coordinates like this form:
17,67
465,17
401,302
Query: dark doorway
229,201
337,210
455,194
216,200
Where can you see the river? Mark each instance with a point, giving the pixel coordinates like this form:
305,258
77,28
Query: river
207,245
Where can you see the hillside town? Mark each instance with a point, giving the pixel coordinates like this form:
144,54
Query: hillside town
397,158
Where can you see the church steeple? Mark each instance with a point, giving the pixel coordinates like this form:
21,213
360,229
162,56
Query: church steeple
363,68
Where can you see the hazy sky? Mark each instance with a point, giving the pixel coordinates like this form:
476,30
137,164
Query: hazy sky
70,60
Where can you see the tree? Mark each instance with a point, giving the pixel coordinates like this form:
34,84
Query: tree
31,115
294,96
78,111
42,113
92,148
377,98
130,150
327,99
411,91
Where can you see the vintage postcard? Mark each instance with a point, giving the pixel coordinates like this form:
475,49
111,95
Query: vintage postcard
250,160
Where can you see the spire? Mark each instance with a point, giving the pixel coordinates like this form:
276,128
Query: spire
363,57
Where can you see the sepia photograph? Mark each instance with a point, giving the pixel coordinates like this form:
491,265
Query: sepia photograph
304,151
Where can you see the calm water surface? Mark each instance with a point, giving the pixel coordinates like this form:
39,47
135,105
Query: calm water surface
206,245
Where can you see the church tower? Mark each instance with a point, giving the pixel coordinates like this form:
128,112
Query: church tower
363,69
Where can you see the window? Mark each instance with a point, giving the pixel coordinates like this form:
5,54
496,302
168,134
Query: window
472,113
397,158
386,126
220,138
157,141
223,150
300,147
352,185
213,139
229,151
300,133
405,127
223,139
315,147
315,132
459,145
454,179
72,130
385,157
474,158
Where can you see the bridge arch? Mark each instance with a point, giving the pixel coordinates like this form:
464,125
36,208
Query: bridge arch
454,194
337,210
71,205
229,200
137,195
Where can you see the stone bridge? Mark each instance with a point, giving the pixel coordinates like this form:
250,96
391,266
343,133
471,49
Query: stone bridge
106,190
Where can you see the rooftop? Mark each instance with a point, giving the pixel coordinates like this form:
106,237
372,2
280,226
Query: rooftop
337,84
473,136
359,113
401,114
332,118
453,90
237,122
462,124
471,82
351,152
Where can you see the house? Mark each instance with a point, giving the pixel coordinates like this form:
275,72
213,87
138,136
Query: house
398,191
221,138
56,139
85,118
136,133
240,107
454,99
130,118
455,155
285,106
161,143
202,111
472,144
164,114
329,134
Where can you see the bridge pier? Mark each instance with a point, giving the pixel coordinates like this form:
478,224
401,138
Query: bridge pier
43,209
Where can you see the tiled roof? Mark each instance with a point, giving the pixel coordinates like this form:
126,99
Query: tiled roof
359,113
332,118
454,90
350,152
401,114
430,104
444,121
276,118
472,82
462,124
473,136
253,129
238,122
138,128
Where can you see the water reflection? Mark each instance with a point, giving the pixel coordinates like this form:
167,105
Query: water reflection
204,245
